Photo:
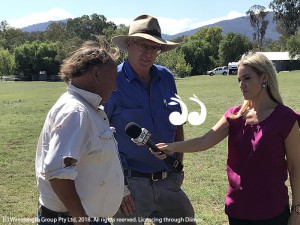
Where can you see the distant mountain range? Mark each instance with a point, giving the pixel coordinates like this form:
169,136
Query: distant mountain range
40,26
238,25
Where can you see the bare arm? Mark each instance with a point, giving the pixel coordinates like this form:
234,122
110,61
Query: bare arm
292,146
66,191
210,139
179,137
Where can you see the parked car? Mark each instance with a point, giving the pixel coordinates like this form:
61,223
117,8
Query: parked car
10,78
218,70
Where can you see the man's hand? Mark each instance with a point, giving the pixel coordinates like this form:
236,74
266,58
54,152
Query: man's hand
158,155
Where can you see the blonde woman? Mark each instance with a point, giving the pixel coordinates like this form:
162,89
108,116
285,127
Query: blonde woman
263,147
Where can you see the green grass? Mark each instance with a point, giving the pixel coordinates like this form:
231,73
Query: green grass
23,108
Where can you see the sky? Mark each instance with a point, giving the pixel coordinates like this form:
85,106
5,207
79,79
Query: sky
174,16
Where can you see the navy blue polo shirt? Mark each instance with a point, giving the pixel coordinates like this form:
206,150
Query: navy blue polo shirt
134,102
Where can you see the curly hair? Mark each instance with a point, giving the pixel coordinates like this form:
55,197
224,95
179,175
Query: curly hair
91,53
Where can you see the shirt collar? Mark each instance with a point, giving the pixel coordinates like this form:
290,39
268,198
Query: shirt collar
92,98
130,74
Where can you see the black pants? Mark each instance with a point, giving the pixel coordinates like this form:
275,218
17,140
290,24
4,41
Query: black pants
282,219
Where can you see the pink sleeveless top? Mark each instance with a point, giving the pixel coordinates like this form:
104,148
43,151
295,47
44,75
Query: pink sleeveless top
256,165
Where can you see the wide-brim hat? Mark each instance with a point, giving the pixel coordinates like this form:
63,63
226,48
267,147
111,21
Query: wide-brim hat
146,27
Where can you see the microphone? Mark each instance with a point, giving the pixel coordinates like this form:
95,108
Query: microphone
141,136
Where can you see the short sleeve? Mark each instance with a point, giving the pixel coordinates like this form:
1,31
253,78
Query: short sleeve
68,140
288,117
231,111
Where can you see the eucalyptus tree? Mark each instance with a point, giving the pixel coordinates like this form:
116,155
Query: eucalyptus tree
174,61
201,49
57,31
111,31
88,27
11,37
287,16
257,17
293,45
37,56
7,63
233,46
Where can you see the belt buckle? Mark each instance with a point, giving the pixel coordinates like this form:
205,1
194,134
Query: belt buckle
152,177
163,176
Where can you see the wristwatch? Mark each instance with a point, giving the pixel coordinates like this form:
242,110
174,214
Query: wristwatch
296,208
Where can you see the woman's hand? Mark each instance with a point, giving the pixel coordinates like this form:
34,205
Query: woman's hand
166,148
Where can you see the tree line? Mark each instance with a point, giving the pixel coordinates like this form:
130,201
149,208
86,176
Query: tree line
26,53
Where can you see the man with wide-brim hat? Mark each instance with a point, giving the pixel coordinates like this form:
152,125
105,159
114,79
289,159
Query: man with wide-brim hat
144,91
146,27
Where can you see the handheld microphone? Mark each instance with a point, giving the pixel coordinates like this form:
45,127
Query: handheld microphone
141,136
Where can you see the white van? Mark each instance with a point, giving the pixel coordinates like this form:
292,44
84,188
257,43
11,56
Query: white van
232,68
218,70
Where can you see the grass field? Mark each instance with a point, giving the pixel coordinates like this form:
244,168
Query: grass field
23,108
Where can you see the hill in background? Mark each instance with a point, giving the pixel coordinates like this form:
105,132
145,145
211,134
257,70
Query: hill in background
40,26
238,25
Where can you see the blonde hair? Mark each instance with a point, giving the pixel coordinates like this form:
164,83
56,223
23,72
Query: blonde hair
261,65
91,53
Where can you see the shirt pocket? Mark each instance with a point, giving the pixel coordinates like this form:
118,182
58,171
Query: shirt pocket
105,141
166,112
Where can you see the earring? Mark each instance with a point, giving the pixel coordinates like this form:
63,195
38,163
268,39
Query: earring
264,85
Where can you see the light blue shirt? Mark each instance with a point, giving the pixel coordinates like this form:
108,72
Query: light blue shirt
134,102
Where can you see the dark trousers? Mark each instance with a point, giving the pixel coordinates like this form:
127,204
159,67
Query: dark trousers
49,217
282,219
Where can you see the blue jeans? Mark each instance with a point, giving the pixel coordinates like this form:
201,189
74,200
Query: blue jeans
163,201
